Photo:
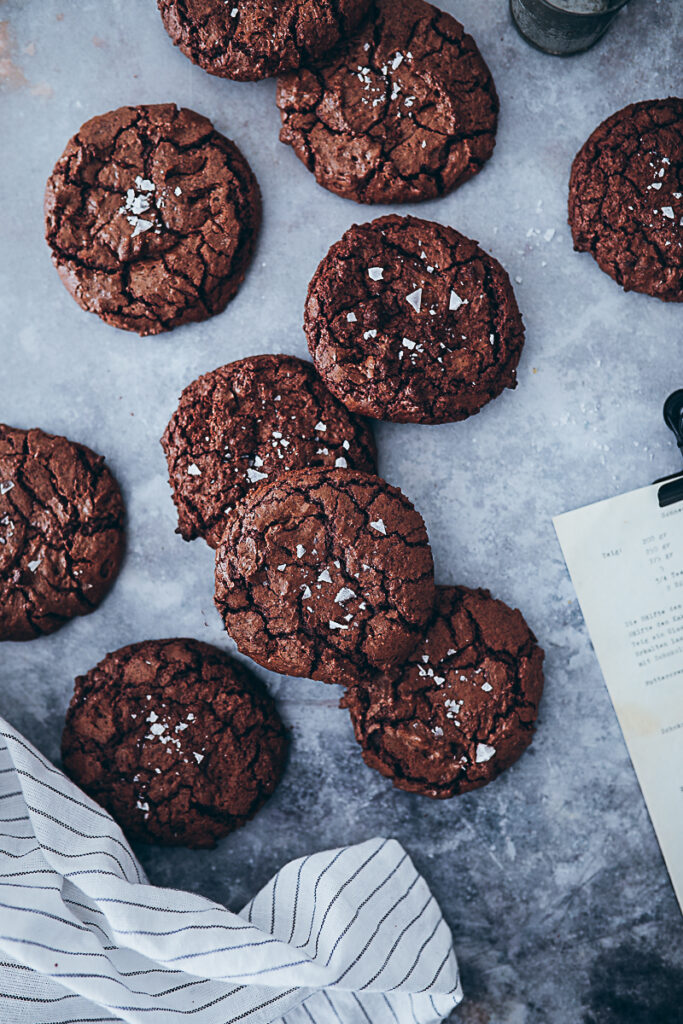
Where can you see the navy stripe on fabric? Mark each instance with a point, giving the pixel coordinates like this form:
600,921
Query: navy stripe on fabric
149,906
363,904
332,1007
419,955
302,945
393,948
262,1006
197,928
438,972
393,1013
296,895
387,914
361,1008
336,896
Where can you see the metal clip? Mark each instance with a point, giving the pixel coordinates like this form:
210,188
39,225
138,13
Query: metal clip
672,491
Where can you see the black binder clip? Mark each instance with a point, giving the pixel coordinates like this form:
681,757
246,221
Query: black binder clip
671,490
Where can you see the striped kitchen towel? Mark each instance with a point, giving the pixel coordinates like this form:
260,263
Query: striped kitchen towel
346,936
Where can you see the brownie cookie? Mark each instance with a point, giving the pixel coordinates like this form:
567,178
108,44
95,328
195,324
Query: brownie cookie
404,110
151,216
250,39
61,532
250,421
409,320
462,708
178,741
326,574
626,198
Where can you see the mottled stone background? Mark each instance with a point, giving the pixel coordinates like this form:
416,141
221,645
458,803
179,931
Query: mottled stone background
551,878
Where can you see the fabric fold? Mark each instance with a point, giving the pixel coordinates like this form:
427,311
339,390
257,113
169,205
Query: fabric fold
347,935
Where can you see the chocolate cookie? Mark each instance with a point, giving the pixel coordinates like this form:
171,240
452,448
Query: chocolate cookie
326,574
250,39
151,216
409,320
250,421
180,743
462,708
61,532
404,110
626,198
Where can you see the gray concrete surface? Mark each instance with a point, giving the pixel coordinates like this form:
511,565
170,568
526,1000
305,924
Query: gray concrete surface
551,878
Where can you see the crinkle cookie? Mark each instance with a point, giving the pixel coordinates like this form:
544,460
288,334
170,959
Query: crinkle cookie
178,741
151,216
326,574
250,39
251,421
61,532
403,110
409,320
626,198
463,706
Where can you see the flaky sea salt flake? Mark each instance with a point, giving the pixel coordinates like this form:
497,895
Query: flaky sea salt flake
415,299
140,225
484,753
455,302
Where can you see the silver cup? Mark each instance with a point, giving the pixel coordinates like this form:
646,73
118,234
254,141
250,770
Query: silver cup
563,27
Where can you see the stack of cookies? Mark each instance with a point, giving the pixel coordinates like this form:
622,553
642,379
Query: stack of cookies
323,569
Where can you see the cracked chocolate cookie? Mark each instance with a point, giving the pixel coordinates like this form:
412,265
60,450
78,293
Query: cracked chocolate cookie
61,532
326,574
250,421
179,742
626,198
404,110
409,320
250,39
151,216
462,708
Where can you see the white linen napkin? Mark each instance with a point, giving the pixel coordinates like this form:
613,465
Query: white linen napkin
346,936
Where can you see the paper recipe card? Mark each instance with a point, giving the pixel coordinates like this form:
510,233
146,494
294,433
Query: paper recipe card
625,558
